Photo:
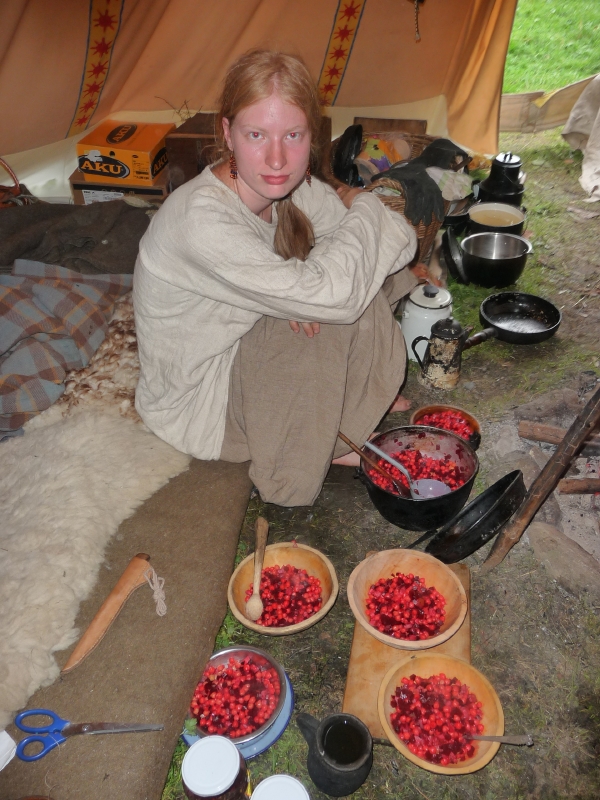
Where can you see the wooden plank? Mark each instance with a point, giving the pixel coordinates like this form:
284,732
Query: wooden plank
370,660
579,486
538,432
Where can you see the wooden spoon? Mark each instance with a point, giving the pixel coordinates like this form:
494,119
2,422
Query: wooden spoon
254,606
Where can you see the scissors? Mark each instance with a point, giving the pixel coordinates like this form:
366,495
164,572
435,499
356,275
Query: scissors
50,736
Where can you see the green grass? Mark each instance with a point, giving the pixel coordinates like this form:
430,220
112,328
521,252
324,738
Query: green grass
553,43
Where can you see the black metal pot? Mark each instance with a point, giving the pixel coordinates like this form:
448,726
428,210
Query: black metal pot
494,259
517,214
422,515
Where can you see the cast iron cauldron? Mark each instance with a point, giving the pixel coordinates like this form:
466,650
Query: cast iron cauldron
423,515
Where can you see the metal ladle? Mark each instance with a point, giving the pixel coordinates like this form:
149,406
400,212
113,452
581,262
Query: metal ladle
422,489
402,492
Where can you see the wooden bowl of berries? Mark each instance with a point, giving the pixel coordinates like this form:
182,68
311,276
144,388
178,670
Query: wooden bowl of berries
240,695
449,418
407,599
298,587
431,704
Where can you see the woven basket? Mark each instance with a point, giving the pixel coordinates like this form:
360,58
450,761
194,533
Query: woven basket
425,233
16,195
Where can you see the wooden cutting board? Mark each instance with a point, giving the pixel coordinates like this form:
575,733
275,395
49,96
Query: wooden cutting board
370,659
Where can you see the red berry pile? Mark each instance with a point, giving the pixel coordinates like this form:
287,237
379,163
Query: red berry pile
448,421
403,607
236,698
435,717
290,595
418,466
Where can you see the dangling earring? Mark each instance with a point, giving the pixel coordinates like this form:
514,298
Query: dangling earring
233,170
308,178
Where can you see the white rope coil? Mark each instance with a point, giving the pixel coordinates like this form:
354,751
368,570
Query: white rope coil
156,584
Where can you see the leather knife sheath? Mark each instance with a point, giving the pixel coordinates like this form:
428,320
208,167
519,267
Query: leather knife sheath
130,580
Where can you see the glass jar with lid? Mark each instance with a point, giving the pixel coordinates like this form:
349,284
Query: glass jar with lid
214,768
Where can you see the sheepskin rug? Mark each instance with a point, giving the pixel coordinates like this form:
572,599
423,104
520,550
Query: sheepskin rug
82,467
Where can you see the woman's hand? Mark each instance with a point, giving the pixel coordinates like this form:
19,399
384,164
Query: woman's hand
423,275
309,328
347,194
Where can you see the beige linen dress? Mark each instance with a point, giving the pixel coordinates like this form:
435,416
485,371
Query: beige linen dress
222,374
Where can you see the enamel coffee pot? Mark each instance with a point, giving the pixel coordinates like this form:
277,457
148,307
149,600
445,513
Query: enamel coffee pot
426,304
440,366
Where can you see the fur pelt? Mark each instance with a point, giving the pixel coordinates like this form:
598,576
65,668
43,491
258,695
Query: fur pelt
82,467
112,374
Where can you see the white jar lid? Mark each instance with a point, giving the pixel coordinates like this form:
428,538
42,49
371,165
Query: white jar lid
280,787
428,296
210,766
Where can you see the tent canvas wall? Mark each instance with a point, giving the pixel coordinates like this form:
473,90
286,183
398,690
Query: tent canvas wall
67,64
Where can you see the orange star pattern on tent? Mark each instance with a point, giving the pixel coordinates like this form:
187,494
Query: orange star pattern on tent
105,19
339,47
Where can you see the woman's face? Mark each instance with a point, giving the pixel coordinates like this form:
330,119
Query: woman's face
271,143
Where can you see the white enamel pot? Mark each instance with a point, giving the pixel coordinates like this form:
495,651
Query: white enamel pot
426,304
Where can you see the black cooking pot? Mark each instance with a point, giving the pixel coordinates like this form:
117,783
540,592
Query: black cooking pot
493,259
422,515
496,218
479,521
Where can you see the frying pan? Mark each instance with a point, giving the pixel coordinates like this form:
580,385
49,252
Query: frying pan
478,522
517,318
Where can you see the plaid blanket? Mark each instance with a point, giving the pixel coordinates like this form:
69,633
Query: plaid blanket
52,320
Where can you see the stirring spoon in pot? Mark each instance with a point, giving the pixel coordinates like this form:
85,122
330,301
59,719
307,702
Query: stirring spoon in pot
422,489
373,464
254,606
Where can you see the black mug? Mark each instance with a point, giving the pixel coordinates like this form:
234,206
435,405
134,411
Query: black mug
340,752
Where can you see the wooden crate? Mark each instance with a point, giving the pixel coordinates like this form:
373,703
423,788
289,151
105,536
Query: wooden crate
191,147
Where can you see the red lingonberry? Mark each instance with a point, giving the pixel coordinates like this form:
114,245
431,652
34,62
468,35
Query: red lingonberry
236,698
449,421
403,607
289,595
436,717
419,466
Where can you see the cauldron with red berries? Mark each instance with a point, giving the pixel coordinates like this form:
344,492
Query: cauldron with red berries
426,453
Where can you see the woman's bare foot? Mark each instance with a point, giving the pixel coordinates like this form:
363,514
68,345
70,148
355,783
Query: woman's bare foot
399,404
352,459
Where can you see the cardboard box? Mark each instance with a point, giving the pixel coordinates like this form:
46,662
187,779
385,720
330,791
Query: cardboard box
85,192
124,153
